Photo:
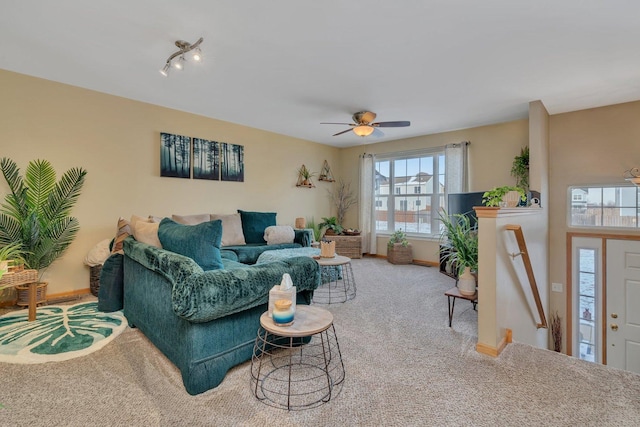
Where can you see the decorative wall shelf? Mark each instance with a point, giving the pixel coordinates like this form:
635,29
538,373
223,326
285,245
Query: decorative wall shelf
325,173
302,181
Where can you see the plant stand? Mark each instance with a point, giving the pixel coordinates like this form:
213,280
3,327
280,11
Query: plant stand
25,281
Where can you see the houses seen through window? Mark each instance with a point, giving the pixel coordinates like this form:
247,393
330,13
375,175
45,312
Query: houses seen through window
604,206
409,192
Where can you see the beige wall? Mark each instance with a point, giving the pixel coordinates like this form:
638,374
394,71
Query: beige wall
592,146
491,154
117,141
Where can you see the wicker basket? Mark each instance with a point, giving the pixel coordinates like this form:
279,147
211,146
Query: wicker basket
94,279
398,254
23,294
24,276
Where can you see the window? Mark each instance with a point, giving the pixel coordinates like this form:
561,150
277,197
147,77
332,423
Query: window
418,183
604,206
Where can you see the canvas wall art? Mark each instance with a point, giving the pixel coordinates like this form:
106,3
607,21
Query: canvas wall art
206,159
232,162
175,155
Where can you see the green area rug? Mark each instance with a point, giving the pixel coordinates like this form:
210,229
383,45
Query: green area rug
59,333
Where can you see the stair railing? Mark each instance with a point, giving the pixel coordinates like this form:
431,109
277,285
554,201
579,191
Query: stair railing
522,245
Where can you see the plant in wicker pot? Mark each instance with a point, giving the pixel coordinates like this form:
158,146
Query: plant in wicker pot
463,240
330,225
36,212
11,252
399,249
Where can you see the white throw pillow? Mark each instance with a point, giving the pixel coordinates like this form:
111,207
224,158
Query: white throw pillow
276,234
232,234
98,254
147,232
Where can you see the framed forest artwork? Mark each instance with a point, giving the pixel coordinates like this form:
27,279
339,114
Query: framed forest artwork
232,162
206,159
175,155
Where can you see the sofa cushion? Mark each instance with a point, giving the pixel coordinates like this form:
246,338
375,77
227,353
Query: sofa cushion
191,219
147,232
276,234
199,242
231,229
124,231
254,224
110,294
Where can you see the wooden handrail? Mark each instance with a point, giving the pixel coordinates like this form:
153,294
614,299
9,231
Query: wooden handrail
522,245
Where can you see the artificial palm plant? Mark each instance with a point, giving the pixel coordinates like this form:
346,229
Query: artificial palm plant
36,212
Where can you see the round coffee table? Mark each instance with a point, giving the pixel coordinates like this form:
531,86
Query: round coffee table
297,366
339,284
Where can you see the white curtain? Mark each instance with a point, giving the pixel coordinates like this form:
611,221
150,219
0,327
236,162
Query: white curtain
456,169
367,209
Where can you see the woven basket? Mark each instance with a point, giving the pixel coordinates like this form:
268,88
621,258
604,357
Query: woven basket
94,279
398,254
23,294
24,276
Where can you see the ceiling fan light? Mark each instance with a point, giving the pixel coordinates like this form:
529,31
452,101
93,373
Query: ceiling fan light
363,130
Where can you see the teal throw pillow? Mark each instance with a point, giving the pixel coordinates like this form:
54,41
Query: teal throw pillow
254,224
199,242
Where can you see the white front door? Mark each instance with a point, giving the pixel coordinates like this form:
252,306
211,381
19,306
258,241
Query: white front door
623,304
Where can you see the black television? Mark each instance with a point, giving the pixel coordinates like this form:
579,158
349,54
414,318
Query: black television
463,203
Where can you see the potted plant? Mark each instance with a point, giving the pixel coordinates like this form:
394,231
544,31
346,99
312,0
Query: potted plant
36,212
463,240
317,230
330,225
498,196
10,252
520,169
399,249
305,175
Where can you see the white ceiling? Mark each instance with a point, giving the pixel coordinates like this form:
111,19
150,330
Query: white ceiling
287,65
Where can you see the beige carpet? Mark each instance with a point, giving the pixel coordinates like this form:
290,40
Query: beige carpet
404,367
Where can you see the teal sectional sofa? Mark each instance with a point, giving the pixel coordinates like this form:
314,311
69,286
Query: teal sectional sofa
194,301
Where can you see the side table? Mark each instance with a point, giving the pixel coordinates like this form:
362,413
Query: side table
25,277
454,293
341,285
297,366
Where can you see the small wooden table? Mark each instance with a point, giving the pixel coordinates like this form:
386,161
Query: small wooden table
25,277
454,293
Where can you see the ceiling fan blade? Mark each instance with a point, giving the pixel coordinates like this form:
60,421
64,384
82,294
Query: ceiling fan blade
340,133
399,124
377,133
331,123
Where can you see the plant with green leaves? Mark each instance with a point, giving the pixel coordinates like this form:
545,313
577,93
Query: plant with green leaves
36,212
494,196
520,169
463,239
398,237
331,223
10,252
317,230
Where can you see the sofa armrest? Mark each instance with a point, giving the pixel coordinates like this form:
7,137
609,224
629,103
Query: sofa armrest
217,293
303,236
172,266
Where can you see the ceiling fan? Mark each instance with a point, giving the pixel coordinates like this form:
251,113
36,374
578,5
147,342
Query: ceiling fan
364,126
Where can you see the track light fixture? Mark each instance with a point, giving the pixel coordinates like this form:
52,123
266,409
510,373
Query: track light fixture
185,47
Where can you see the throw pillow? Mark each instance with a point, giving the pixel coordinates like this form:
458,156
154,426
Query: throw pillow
231,229
199,242
254,224
147,232
192,219
124,231
276,234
